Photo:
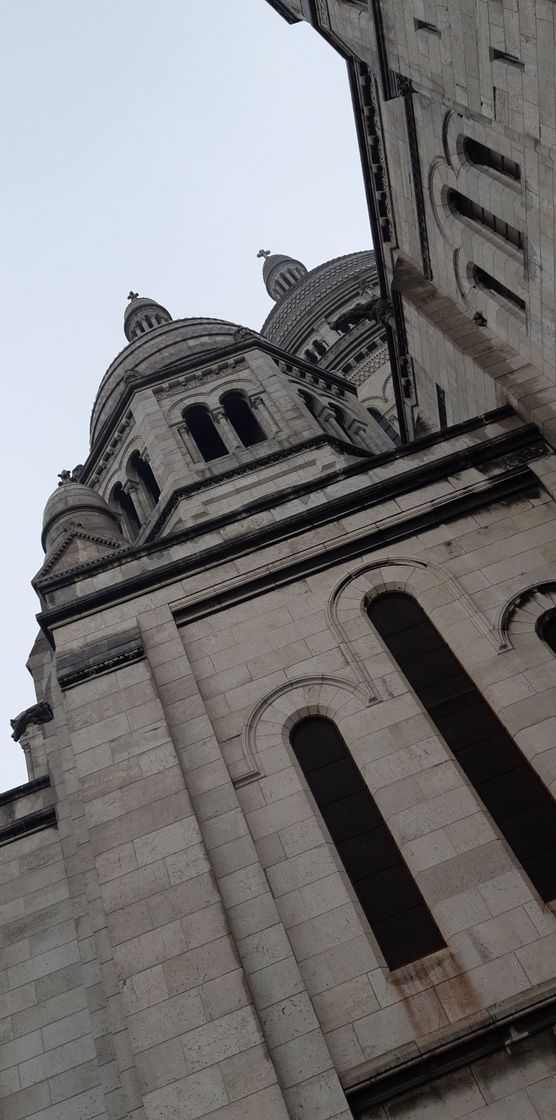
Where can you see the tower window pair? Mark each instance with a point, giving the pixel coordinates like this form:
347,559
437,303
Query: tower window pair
518,802
239,415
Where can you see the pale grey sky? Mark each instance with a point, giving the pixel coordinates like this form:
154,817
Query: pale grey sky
152,144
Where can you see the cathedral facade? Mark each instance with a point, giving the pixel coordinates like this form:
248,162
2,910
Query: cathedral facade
288,844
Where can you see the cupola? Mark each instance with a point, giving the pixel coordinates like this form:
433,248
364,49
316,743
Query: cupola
280,273
75,505
142,315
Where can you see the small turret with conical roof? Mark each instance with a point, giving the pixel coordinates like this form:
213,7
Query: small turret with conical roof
280,272
142,315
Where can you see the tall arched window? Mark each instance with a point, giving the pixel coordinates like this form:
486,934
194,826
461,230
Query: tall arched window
123,503
142,472
473,211
241,418
514,795
392,901
201,426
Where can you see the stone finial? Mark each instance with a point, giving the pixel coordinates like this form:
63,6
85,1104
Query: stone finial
132,296
263,253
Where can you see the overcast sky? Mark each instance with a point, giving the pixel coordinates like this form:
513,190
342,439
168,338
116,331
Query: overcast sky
153,145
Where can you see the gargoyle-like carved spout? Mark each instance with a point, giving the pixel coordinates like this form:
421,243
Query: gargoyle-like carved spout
37,713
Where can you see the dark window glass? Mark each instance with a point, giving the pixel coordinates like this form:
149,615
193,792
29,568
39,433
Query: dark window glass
468,209
514,795
242,419
546,627
487,157
490,284
393,904
385,425
201,426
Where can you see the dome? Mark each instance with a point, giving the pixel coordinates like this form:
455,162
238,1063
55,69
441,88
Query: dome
71,502
175,341
142,315
280,273
316,293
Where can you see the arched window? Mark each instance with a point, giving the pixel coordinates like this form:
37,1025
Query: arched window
546,628
482,156
514,795
393,904
123,503
463,206
490,284
201,426
242,418
141,471
385,425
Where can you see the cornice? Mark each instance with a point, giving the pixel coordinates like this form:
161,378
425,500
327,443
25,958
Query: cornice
512,481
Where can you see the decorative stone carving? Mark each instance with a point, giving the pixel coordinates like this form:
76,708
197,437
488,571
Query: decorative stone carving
37,713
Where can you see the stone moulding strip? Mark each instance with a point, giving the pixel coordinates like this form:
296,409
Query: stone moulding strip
25,790
99,657
519,481
523,440
31,822
462,1051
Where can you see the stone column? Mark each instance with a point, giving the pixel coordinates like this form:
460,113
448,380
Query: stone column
139,499
330,424
189,443
225,430
264,416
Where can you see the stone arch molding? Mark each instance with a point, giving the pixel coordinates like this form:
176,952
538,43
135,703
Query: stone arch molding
267,728
347,606
521,613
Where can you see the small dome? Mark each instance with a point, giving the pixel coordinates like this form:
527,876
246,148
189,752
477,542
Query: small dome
142,315
72,501
280,273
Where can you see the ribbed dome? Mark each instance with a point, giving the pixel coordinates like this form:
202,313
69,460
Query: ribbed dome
72,501
316,291
178,340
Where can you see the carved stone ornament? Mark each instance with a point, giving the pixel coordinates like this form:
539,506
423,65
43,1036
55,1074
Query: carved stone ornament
37,713
322,12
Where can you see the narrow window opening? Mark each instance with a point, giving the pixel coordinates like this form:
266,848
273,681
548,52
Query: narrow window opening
310,357
490,284
424,25
125,506
145,476
441,405
319,346
389,896
504,56
201,426
507,784
482,156
242,419
463,206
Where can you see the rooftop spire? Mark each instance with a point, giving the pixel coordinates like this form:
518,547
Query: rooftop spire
142,315
280,273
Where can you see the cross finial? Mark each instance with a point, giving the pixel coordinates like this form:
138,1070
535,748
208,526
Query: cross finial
132,296
263,253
